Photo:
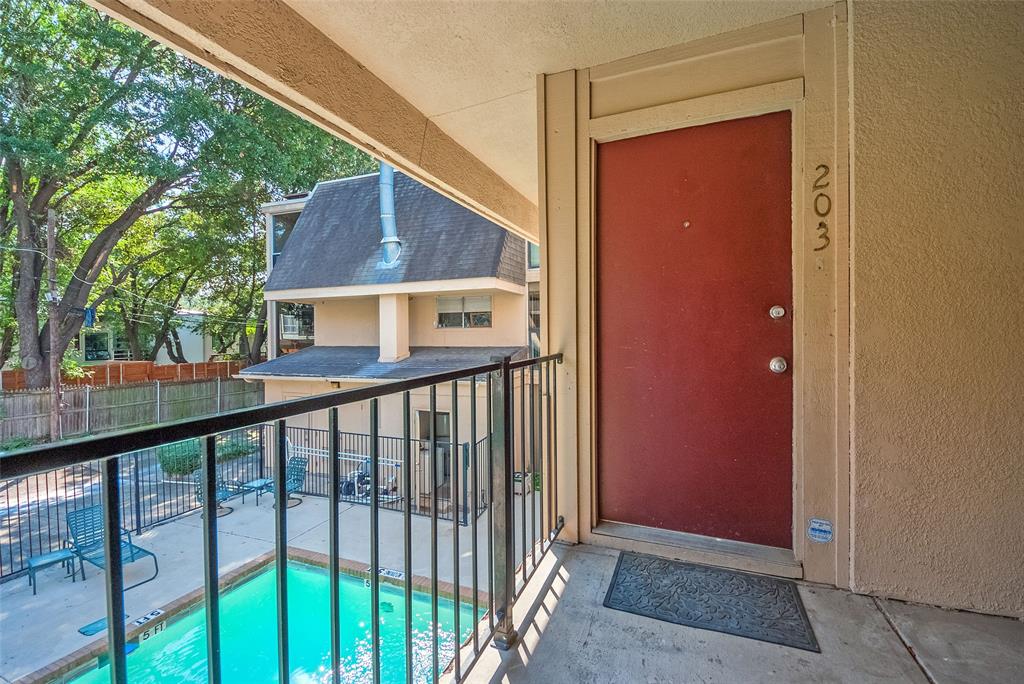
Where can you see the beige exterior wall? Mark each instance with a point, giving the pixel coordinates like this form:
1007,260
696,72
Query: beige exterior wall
938,319
346,322
356,322
927,483
508,327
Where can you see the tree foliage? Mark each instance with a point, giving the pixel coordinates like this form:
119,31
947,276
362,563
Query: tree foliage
155,166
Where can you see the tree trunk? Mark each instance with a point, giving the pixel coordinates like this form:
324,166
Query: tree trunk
259,337
131,333
174,349
168,323
243,345
26,298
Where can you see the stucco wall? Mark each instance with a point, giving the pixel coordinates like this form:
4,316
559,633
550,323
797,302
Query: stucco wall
508,323
346,322
938,317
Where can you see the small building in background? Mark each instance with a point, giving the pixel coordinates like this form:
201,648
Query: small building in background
461,292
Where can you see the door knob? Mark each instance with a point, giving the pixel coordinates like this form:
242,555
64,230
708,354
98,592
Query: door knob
778,365
777,311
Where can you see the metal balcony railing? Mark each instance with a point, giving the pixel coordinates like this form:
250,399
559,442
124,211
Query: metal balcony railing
492,476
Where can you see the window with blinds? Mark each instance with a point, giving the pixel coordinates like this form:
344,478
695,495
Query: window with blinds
464,312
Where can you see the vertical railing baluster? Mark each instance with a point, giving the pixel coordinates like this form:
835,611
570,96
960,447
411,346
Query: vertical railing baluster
334,468
490,500
550,522
533,469
375,534
281,549
504,544
210,560
114,574
434,664
137,492
407,528
473,512
554,438
454,486
522,465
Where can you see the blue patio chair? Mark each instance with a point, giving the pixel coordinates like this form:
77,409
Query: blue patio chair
85,527
225,491
294,477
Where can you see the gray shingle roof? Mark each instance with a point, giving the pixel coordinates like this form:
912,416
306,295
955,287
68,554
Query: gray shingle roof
336,241
361,362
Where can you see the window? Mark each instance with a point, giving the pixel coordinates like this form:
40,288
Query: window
295,327
97,346
289,324
534,319
283,225
533,256
464,312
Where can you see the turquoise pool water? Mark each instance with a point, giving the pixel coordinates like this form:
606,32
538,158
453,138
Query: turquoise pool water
249,634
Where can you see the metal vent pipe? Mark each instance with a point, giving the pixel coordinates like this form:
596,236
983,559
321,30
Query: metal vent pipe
391,245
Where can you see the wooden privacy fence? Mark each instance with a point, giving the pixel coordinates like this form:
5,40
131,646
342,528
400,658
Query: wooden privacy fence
88,410
132,372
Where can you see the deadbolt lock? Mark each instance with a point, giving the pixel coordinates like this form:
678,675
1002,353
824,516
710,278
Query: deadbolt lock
777,311
778,365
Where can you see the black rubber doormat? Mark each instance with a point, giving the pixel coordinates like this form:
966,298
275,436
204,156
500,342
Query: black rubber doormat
752,606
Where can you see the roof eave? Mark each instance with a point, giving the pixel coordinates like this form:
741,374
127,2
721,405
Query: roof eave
373,289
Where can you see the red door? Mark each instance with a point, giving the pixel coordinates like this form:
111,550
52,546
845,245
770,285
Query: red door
693,251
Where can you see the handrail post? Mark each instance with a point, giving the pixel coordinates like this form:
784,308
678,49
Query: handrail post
137,493
211,576
114,572
505,636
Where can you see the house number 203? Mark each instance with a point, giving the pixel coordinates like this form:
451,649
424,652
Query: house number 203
822,205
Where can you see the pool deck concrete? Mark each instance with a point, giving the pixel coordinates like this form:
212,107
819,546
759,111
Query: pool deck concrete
569,636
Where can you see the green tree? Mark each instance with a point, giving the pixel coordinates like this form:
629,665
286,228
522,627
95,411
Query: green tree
123,136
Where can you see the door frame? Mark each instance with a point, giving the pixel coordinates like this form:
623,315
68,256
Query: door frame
801,64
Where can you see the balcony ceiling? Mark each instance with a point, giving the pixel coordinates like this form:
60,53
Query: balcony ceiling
471,67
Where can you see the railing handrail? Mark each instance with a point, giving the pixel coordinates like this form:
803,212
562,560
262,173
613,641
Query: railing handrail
37,459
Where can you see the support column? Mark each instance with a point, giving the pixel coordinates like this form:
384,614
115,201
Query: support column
394,327
562,101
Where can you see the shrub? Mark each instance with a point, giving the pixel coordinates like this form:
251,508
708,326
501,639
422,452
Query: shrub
180,458
17,443
184,458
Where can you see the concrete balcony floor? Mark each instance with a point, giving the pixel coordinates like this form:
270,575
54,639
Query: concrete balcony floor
569,636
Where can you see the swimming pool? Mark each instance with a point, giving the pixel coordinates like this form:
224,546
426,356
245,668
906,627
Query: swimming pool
249,634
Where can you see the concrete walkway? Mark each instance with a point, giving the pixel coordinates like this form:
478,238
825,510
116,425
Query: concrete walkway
569,636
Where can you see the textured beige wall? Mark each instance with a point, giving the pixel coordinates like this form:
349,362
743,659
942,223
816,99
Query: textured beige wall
938,287
508,323
347,322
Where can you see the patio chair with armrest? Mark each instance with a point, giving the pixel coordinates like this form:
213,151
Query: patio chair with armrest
85,528
294,478
225,490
